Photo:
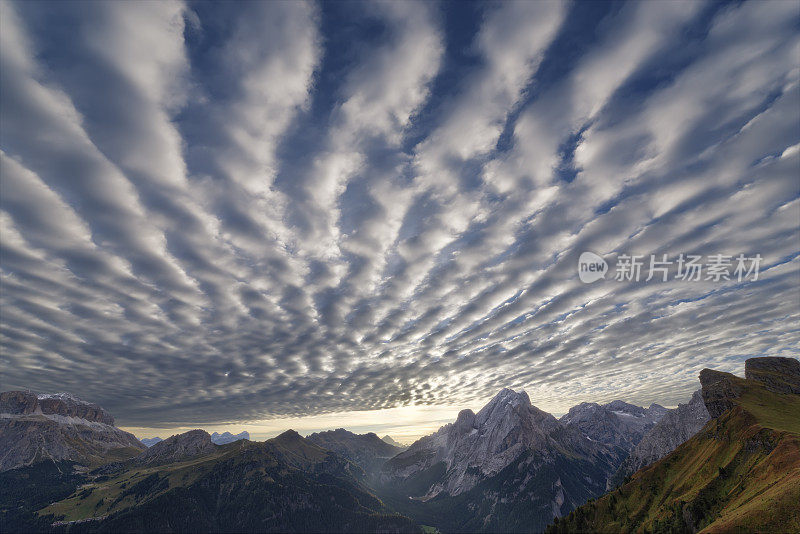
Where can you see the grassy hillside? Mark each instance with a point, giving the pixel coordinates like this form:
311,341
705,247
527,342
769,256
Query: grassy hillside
106,494
284,484
741,472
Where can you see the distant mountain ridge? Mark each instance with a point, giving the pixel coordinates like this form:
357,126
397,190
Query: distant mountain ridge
391,441
368,451
227,437
617,424
219,439
176,448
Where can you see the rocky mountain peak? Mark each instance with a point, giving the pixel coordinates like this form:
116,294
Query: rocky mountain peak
625,407
69,405
465,420
178,447
502,405
57,426
288,436
617,424
581,411
719,389
509,396
477,446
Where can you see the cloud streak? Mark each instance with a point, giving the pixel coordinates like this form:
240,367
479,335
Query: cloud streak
291,209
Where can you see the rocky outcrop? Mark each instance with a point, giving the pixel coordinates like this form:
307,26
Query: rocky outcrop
674,428
178,447
18,402
62,404
67,405
719,390
58,427
781,375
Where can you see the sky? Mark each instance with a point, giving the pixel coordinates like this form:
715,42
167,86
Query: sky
264,215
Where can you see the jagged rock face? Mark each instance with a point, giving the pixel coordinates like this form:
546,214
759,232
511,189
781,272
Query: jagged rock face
18,402
658,411
227,437
781,375
68,405
179,447
719,391
367,451
478,446
57,427
64,404
617,424
674,428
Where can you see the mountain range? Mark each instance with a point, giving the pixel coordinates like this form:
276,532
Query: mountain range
219,439
508,467
739,473
675,427
720,460
618,425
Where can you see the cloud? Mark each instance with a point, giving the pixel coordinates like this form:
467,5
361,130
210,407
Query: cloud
211,216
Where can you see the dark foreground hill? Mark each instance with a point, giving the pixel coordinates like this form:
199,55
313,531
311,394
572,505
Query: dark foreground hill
367,451
286,484
740,473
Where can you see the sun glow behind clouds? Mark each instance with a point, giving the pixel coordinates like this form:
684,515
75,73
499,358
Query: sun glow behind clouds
405,424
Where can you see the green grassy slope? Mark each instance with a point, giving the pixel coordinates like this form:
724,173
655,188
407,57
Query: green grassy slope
740,473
